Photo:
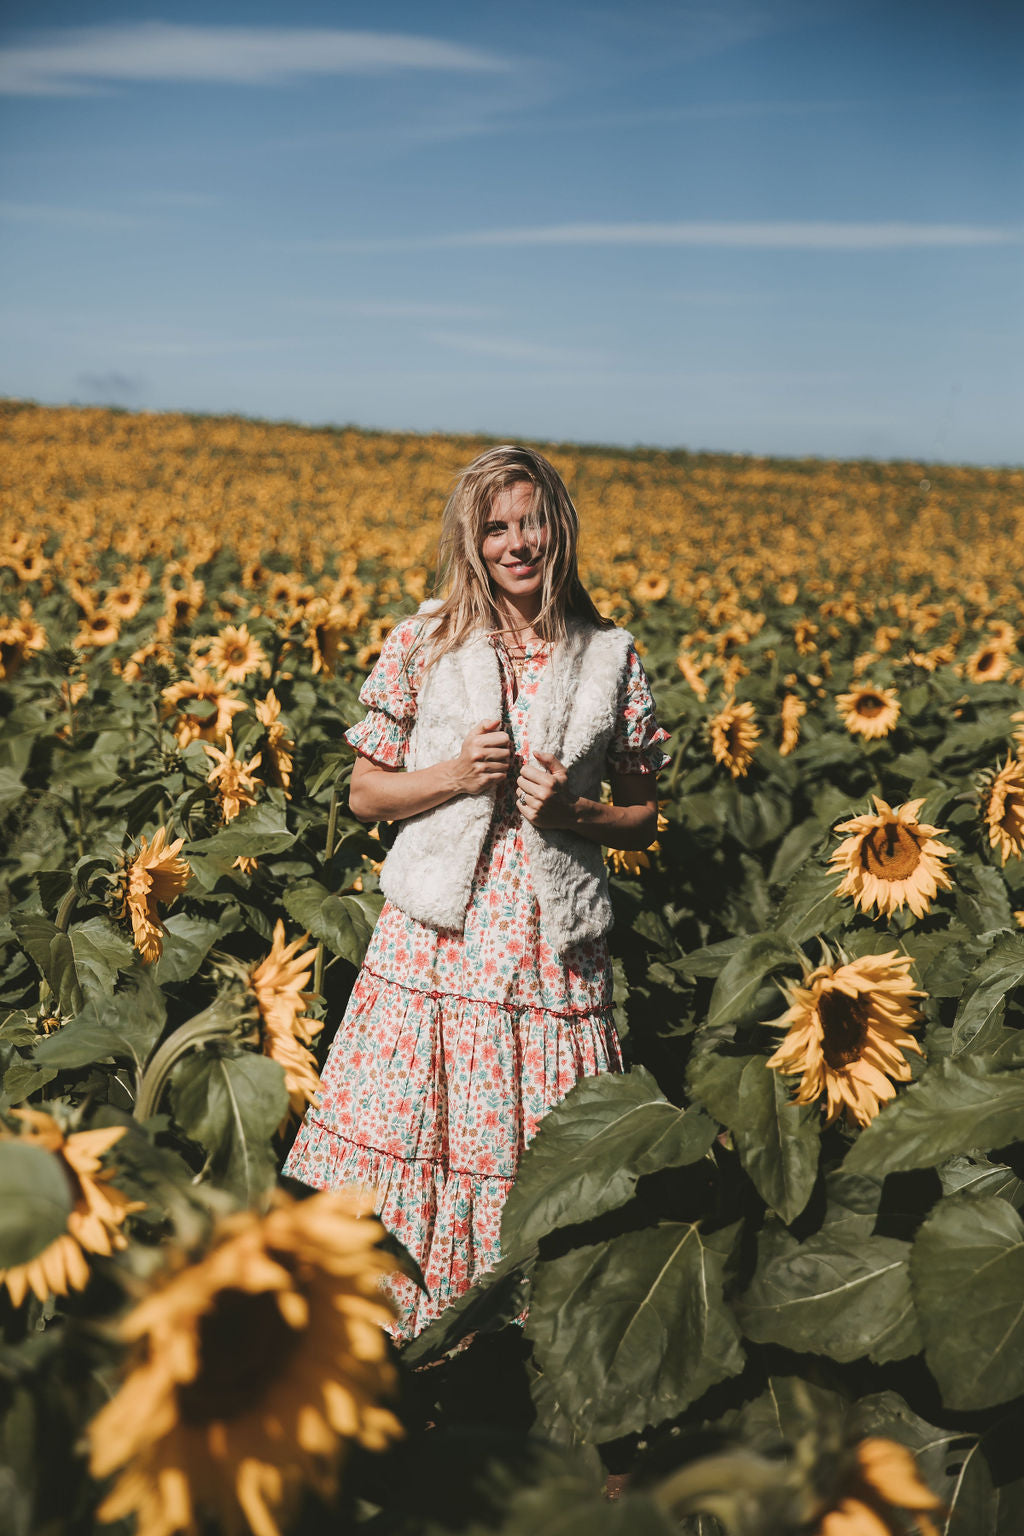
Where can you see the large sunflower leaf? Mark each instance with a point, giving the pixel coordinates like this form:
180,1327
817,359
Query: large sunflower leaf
810,905
232,1105
35,1201
187,942
955,1107
259,829
344,923
743,973
631,1331
52,952
983,1000
101,954
591,1149
125,1026
967,1268
842,1292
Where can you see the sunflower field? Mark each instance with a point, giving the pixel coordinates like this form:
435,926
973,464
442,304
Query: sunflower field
774,1272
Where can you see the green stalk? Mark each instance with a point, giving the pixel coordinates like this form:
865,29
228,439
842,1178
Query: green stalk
221,1020
332,827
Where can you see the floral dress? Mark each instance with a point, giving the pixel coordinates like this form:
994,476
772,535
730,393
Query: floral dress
455,1045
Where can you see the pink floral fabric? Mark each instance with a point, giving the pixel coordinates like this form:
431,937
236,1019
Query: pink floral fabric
455,1045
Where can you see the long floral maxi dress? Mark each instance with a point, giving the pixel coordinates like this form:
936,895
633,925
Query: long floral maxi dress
455,1045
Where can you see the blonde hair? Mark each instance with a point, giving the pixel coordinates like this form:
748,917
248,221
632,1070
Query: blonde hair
468,602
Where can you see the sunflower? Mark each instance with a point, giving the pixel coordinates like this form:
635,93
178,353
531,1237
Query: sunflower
327,624
100,628
208,725
868,711
19,638
989,663
878,1487
156,874
846,1031
792,709
279,744
94,1221
734,733
156,651
691,669
891,859
278,983
235,654
1004,809
651,588
253,1369
803,634
124,601
234,780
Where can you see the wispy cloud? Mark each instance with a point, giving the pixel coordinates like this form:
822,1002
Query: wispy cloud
770,235
58,214
110,386
75,61
391,309
510,349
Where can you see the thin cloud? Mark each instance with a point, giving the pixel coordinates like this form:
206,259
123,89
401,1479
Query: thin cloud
775,235
76,61
111,385
509,349
57,214
391,309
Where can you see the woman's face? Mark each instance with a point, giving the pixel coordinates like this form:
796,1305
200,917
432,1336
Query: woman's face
514,544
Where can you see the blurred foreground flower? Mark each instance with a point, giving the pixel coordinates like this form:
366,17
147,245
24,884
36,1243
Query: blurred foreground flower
156,874
97,1212
1004,810
278,983
882,1486
847,1031
734,734
869,712
253,1369
891,859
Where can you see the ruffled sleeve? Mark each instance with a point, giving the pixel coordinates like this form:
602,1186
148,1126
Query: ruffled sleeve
636,745
389,694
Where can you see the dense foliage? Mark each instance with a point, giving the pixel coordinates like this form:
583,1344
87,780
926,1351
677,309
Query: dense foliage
785,1244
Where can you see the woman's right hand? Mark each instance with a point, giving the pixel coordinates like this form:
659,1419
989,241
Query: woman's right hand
485,759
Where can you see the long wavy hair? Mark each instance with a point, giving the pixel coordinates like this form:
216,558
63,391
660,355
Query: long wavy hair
468,602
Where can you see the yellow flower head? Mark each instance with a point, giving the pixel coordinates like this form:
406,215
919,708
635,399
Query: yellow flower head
234,781
651,588
235,654
793,708
100,628
989,663
881,1486
327,625
868,711
94,1222
253,1369
734,733
892,860
279,744
213,721
846,1031
278,983
1004,810
156,874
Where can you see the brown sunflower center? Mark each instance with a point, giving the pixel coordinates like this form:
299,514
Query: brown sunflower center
890,852
244,1346
236,654
869,705
844,1021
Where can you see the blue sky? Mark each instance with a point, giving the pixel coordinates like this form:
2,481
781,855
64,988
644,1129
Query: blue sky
783,226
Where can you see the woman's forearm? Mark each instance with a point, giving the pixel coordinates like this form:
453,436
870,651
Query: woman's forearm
614,826
381,794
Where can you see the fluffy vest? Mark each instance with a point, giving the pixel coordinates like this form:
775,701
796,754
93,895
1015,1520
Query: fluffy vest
429,871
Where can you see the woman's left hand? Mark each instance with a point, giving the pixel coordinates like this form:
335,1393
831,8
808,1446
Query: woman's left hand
542,792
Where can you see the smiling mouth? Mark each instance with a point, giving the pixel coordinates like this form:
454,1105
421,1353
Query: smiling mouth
522,565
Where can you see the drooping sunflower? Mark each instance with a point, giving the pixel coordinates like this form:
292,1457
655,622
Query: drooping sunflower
734,734
278,983
235,654
691,669
327,625
279,744
155,875
878,1487
234,781
254,1368
96,1216
1004,810
792,710
846,1031
868,711
210,723
891,859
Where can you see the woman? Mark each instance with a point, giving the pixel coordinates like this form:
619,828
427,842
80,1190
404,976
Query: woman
485,994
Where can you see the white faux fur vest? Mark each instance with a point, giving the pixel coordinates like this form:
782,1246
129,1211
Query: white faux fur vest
429,871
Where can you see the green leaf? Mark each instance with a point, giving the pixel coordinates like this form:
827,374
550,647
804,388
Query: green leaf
232,1105
496,1299
101,954
187,942
743,974
843,1293
259,829
634,1330
125,1027
982,903
709,961
968,1275
955,1107
35,1201
22,1079
343,923
52,952
591,1149
797,845
983,999
777,1140
809,905
11,788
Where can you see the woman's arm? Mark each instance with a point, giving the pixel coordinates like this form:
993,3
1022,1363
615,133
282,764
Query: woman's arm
392,794
630,822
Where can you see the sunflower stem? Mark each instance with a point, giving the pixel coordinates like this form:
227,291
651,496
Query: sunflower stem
221,1020
332,828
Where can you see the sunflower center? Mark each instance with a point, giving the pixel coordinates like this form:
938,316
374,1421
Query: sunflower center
844,1022
236,654
244,1345
890,852
869,705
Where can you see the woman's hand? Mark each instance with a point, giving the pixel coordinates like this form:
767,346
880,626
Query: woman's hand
485,759
542,792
